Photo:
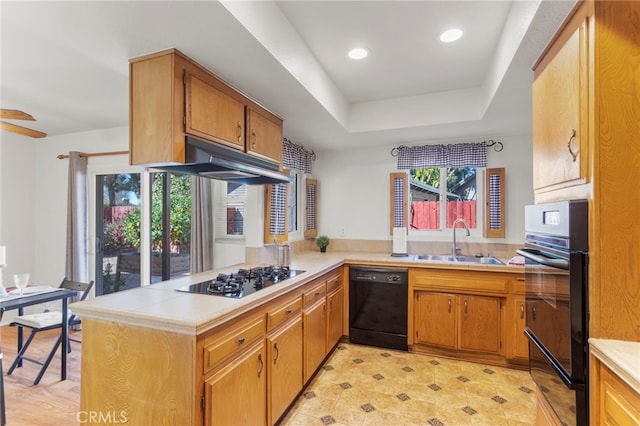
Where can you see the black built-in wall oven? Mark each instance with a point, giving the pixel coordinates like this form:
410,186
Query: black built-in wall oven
556,282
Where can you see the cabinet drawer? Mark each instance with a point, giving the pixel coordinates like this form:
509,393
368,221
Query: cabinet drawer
282,313
468,282
315,293
517,285
333,282
233,342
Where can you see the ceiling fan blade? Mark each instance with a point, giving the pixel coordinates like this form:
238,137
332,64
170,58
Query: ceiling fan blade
15,114
22,130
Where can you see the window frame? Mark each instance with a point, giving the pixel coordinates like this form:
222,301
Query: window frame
481,212
310,207
489,230
220,204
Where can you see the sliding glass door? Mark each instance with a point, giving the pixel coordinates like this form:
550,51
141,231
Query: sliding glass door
170,225
117,239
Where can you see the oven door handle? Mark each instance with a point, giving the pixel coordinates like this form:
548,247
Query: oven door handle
540,258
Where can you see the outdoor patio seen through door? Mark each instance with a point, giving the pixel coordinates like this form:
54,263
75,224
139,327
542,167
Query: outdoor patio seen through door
118,223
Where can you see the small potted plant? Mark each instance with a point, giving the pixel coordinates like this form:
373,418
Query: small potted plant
322,241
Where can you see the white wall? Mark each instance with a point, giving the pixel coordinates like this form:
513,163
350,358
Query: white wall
18,202
354,191
353,194
51,191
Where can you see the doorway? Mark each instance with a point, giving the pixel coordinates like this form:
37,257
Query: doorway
117,242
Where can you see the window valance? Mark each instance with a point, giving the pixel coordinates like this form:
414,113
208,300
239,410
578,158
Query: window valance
296,157
452,155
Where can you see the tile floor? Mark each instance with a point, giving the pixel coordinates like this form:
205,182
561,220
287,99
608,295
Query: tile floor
361,385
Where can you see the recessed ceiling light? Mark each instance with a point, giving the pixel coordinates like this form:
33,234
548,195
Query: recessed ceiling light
358,53
451,35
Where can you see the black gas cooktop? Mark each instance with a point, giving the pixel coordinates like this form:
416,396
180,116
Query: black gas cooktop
243,282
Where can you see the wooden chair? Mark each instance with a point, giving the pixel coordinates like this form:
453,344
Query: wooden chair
48,320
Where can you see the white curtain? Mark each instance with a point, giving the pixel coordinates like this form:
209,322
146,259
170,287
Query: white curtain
201,226
77,260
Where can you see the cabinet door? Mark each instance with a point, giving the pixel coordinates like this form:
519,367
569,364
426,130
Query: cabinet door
334,329
618,403
285,367
315,335
435,319
264,135
517,346
237,393
479,325
213,112
560,139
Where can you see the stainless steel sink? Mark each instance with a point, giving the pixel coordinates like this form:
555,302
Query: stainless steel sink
436,257
459,259
485,260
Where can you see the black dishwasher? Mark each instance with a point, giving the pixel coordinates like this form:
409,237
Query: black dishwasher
378,302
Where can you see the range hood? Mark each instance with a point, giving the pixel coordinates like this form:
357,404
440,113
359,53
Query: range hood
219,162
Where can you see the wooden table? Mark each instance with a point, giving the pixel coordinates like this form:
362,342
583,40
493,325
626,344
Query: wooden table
19,303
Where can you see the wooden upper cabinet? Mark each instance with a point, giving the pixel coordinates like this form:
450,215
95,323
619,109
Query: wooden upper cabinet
214,111
264,134
560,109
172,96
156,109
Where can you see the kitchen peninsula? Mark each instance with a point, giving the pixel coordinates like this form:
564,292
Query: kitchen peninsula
160,356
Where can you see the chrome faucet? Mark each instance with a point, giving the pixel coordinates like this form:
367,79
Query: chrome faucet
454,248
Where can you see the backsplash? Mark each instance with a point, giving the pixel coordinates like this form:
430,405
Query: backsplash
269,253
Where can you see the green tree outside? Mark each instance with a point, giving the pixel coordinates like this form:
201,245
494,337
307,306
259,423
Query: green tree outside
180,231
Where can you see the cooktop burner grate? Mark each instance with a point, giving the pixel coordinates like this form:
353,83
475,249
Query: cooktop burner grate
243,281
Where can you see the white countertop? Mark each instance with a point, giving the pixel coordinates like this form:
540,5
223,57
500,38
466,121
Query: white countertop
621,357
160,306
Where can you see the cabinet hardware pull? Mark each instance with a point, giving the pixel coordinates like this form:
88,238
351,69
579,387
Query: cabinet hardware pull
574,154
317,293
533,313
520,279
275,347
449,304
521,310
465,305
239,132
241,340
254,137
289,311
261,365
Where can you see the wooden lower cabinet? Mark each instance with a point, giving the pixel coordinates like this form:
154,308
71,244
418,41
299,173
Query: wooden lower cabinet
619,404
315,340
479,324
335,302
463,322
613,401
517,345
436,319
284,372
237,393
245,371
468,314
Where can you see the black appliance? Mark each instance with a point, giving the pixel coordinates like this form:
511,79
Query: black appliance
556,282
243,282
222,163
378,303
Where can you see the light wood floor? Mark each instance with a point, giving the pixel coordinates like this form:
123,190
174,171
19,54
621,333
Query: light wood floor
52,401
